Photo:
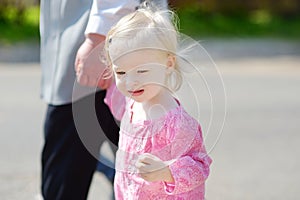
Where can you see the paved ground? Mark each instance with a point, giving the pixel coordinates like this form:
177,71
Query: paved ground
256,157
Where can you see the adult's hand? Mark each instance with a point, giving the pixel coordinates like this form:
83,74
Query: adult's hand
88,65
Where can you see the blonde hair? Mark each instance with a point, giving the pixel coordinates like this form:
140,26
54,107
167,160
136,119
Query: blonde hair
146,28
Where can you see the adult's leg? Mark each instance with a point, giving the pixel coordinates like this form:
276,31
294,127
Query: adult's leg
110,128
67,165
107,122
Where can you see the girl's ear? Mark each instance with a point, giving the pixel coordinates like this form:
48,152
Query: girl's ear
171,61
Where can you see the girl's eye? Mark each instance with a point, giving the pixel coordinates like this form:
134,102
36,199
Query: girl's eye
142,71
120,73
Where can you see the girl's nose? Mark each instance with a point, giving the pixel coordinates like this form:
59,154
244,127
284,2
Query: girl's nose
132,81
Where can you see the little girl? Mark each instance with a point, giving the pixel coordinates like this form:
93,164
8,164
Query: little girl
161,152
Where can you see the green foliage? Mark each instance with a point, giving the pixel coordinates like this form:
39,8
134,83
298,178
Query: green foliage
21,23
258,23
17,26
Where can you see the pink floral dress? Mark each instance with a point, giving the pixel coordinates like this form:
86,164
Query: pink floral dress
177,137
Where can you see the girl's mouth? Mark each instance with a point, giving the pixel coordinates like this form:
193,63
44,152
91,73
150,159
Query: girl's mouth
136,92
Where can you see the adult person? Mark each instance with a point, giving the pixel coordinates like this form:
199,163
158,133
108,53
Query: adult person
67,163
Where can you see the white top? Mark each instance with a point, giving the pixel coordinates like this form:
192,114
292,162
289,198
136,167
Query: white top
105,13
62,27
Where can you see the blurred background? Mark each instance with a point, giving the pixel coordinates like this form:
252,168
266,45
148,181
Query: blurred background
256,47
209,18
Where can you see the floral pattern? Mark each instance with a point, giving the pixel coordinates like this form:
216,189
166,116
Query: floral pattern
175,137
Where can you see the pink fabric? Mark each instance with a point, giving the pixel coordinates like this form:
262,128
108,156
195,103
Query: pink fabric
175,136
115,101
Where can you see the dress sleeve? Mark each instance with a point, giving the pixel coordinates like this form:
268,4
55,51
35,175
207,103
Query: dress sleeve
188,172
191,166
105,13
116,101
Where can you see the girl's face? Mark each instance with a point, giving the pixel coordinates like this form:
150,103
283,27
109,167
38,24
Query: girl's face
141,75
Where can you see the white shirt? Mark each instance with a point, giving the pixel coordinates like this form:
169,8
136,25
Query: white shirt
105,13
62,27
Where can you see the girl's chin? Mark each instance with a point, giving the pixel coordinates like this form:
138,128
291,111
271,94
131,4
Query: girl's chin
137,99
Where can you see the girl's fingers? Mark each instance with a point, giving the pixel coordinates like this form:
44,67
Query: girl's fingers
141,167
148,158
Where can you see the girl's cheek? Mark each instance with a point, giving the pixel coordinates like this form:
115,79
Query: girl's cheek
121,86
118,83
118,80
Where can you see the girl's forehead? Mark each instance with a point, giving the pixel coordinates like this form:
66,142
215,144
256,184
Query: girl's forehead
148,66
140,57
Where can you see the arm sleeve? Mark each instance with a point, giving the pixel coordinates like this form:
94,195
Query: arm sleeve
191,166
188,172
116,101
105,13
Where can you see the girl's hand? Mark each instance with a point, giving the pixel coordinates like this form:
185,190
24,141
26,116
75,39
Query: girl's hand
152,168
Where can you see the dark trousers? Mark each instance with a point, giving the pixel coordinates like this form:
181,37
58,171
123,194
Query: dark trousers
73,136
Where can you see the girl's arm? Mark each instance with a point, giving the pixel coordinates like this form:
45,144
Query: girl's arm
188,169
188,173
116,101
191,168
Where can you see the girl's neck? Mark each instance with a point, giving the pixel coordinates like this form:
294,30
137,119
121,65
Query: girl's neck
155,110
